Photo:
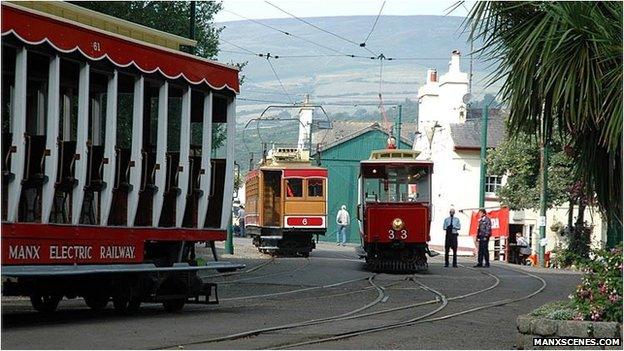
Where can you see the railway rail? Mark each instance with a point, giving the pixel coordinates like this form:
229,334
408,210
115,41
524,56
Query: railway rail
422,318
353,314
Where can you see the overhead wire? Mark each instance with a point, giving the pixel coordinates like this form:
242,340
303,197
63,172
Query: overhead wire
320,28
363,44
279,80
290,34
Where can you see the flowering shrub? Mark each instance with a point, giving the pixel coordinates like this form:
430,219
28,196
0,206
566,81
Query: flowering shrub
559,310
599,296
566,258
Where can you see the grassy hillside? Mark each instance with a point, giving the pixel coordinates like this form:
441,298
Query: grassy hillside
347,87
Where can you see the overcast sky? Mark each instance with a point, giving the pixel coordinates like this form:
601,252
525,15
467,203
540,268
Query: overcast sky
259,9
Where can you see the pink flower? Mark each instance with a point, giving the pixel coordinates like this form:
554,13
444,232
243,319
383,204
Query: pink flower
614,297
603,288
595,315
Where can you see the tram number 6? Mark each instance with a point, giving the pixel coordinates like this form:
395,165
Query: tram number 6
402,234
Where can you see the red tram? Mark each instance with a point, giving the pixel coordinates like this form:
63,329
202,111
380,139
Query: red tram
109,174
394,211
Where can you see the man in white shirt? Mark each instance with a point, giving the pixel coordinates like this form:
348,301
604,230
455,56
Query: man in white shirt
342,219
524,246
241,221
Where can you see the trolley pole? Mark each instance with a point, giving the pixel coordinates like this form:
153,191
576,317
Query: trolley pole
484,127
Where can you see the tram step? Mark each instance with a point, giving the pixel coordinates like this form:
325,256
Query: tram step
271,237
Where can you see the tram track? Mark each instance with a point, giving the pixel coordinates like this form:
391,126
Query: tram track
296,269
381,296
423,318
353,314
247,271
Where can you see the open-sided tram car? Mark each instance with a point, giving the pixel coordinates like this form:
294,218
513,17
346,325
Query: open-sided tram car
286,203
394,211
109,177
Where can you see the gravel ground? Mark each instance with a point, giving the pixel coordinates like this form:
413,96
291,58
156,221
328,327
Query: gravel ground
303,295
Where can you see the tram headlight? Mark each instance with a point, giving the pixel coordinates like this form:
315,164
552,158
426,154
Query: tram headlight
397,224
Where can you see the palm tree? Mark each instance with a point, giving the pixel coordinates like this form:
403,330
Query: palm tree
560,64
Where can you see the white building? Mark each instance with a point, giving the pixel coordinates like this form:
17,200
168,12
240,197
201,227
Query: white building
451,137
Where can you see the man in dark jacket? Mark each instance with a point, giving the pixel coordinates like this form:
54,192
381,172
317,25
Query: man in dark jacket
484,231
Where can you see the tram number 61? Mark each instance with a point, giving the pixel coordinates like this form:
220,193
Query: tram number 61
393,234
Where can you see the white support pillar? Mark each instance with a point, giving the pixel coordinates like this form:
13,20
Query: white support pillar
135,151
18,128
52,135
229,165
110,140
185,145
160,178
205,179
82,133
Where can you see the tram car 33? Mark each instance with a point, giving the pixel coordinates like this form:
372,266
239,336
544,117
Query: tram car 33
394,211
286,203
109,174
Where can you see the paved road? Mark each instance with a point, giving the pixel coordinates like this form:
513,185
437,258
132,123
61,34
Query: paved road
330,292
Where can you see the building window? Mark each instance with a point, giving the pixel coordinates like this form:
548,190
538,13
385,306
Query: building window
315,187
493,183
294,187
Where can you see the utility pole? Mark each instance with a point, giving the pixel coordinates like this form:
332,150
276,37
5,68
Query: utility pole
192,26
484,130
544,159
229,241
399,128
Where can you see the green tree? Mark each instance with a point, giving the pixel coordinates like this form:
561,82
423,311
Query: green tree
168,16
560,64
519,159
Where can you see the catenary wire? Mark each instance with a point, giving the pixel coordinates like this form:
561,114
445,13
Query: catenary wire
292,35
363,44
279,80
321,29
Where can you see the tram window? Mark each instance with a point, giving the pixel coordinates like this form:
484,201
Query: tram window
36,94
315,187
294,187
8,80
396,184
125,104
174,118
418,184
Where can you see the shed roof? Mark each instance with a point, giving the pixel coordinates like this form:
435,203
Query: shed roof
343,131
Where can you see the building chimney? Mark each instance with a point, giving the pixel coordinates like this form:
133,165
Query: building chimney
432,75
454,64
305,126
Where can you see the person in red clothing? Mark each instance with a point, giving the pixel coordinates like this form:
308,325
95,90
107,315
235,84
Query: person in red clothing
391,143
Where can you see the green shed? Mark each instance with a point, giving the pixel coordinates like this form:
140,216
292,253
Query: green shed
342,149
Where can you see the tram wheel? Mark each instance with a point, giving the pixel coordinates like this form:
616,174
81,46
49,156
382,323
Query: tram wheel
45,303
96,302
124,304
174,305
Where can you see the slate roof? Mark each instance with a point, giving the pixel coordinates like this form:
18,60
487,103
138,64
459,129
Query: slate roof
468,135
343,131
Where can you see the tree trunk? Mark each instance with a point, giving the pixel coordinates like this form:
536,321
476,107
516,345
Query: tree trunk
571,215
